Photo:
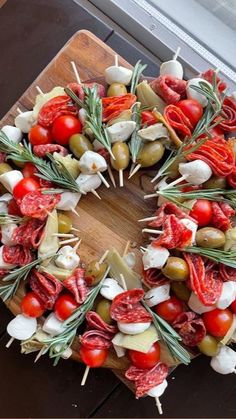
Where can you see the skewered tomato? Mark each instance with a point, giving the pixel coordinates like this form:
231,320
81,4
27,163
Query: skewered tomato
218,322
29,170
169,309
64,127
25,186
145,360
64,306
39,135
233,307
202,212
148,118
32,306
94,358
192,109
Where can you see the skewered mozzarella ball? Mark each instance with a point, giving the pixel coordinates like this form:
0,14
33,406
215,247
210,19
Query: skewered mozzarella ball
118,74
10,179
52,325
13,133
227,296
191,225
193,94
225,361
24,121
88,182
68,201
196,172
157,295
110,289
67,258
92,162
155,257
120,131
172,67
196,305
158,390
133,328
22,327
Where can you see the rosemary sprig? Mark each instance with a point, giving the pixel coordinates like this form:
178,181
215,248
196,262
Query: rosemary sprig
137,72
53,171
135,141
6,219
220,256
66,338
169,336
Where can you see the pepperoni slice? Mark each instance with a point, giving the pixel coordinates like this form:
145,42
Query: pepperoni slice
175,234
146,379
29,234
17,255
221,213
46,286
154,277
37,205
113,106
169,88
43,149
178,121
77,286
165,209
55,107
190,327
126,307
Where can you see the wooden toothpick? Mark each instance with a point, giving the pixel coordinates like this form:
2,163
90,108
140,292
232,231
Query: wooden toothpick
76,246
95,193
151,231
103,257
116,60
68,235
39,90
144,220
75,72
126,248
176,54
135,170
18,110
10,342
123,283
121,178
69,241
110,173
75,212
85,376
103,179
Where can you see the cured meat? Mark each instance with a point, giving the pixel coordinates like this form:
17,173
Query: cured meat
36,205
218,155
101,333
3,272
55,107
205,283
17,255
29,234
104,153
79,91
165,209
113,106
178,121
126,307
209,76
231,178
175,234
146,379
154,277
227,273
221,213
169,88
229,115
46,286
43,149
77,286
2,157
190,327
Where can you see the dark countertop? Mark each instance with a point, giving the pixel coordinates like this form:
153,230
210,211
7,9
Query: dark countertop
32,32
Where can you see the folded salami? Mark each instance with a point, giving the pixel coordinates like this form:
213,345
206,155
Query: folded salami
175,234
169,88
146,379
126,307
165,209
43,149
37,205
46,286
190,327
221,213
29,234
17,255
77,286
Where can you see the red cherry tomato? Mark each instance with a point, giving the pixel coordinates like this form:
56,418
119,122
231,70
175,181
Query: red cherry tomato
64,127
192,109
32,306
13,208
145,360
233,306
202,212
25,186
39,135
94,358
148,118
29,170
169,309
218,322
64,306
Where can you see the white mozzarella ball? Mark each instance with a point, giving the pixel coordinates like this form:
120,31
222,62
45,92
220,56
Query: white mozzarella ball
10,179
155,257
158,390
82,116
133,328
191,225
157,295
196,171
120,131
225,361
118,74
196,305
7,231
92,162
13,133
67,258
3,208
53,326
88,182
6,197
227,296
24,121
110,289
173,68
68,201
193,94
22,327
4,265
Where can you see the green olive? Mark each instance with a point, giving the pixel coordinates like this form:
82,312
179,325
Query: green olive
78,144
123,116
4,168
176,269
116,89
209,346
210,237
95,272
103,309
151,153
122,156
64,223
173,169
181,290
215,182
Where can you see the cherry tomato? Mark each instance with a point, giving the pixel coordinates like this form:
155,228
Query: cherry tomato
192,109
233,306
39,135
32,306
64,306
218,322
13,208
25,186
29,170
64,127
145,360
94,358
148,118
202,212
169,309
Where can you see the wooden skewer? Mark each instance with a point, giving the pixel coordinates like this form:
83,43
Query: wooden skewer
121,178
158,404
156,177
151,231
75,72
135,170
75,229
116,60
123,283
144,220
103,179
68,235
9,342
152,195
175,182
50,214
126,248
176,54
131,168
39,354
103,257
39,90
76,246
95,193
18,110
69,241
111,176
85,376
74,211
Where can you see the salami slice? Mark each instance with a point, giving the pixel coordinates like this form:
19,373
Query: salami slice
79,91
231,178
227,273
178,121
154,277
221,213
37,205
46,286
77,286
95,321
229,113
44,149
2,157
190,327
29,234
55,107
17,255
165,209
146,379
175,234
169,88
126,307
96,339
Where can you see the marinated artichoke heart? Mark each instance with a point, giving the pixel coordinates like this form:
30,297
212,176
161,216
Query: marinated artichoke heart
49,244
148,97
141,342
35,343
230,242
71,164
118,266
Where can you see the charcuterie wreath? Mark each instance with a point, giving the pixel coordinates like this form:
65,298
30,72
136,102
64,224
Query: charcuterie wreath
182,302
